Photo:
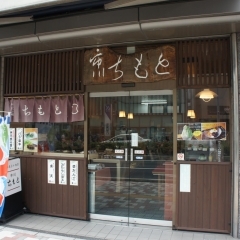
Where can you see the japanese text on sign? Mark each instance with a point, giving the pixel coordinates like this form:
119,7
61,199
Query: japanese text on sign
74,173
51,171
62,172
14,184
105,65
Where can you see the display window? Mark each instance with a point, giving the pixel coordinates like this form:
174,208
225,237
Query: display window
47,137
203,132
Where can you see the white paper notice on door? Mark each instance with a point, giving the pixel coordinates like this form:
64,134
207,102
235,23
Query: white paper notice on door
74,173
134,139
185,178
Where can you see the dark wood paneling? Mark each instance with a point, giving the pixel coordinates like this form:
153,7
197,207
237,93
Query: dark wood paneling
203,63
46,73
53,199
207,207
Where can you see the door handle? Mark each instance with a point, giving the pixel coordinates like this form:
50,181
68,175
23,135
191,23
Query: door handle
126,154
131,158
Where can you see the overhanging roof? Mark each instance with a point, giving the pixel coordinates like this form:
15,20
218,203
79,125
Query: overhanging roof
158,22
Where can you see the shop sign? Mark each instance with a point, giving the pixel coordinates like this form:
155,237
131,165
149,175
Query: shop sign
62,172
19,139
102,65
51,171
14,184
201,131
46,109
74,173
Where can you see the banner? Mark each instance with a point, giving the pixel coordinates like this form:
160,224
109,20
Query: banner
12,106
42,110
77,109
4,156
46,109
58,109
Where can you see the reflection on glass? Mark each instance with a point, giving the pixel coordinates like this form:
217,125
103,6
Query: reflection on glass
205,137
133,175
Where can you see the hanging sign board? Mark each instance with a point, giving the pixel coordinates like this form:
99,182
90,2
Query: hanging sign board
14,184
102,65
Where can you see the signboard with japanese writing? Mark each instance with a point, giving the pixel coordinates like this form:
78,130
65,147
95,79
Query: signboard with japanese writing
62,172
102,65
12,139
19,139
30,140
14,183
74,173
46,109
51,171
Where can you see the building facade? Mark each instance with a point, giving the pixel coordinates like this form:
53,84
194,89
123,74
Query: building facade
156,152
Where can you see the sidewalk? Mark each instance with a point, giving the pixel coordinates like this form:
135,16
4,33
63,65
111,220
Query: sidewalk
32,227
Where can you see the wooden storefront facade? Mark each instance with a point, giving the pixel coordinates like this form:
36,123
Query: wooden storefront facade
199,64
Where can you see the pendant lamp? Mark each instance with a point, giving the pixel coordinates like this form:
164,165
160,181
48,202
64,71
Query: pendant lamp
206,95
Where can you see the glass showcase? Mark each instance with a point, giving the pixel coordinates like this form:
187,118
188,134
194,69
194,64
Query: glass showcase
204,132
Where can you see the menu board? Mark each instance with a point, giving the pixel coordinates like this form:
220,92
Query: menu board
201,131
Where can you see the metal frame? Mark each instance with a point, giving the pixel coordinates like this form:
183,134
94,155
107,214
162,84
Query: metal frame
235,139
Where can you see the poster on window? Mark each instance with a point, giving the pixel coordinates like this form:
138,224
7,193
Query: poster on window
19,139
4,156
30,140
12,138
201,131
14,184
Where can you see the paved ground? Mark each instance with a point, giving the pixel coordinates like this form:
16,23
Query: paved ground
32,227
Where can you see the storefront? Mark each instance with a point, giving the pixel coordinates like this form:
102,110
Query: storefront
158,151
128,115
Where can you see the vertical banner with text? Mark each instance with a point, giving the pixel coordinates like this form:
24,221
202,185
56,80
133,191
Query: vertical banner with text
4,156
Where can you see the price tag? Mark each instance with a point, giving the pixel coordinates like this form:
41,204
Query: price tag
180,156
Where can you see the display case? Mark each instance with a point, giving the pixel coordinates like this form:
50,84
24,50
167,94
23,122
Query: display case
202,141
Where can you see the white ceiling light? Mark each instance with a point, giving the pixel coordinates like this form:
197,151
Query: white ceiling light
157,101
128,3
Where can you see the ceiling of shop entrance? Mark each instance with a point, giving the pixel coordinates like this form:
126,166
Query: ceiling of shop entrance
91,23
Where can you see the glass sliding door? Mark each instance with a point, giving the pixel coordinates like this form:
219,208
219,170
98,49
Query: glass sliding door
131,141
